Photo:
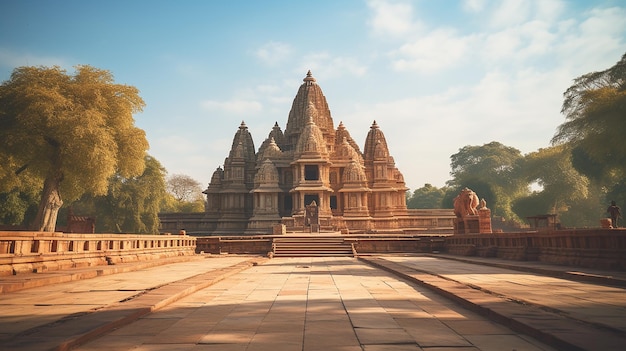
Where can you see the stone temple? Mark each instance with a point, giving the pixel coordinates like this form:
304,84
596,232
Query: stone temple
356,191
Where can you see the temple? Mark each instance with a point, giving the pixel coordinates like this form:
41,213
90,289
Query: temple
310,162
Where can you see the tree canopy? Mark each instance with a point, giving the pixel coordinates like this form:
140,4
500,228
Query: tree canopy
489,170
70,133
183,187
562,189
428,196
595,116
130,205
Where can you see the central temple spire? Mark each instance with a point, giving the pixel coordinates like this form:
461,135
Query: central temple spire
309,98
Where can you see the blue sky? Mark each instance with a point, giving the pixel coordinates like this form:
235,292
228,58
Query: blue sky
435,75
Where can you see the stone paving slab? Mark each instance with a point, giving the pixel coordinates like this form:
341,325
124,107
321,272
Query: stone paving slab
502,304
313,304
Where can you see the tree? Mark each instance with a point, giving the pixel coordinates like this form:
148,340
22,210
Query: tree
131,205
489,170
17,207
428,196
564,191
186,195
69,132
595,111
184,188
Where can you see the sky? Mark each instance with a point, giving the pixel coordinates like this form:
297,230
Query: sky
435,75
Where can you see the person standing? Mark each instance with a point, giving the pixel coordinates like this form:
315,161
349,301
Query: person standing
614,212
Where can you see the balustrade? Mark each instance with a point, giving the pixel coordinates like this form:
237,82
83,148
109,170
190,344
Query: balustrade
39,251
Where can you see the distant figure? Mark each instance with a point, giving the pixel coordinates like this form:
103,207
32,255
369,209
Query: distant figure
614,212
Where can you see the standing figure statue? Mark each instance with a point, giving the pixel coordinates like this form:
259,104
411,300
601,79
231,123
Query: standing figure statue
614,212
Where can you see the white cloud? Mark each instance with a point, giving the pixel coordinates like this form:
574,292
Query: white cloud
511,12
274,52
519,43
234,106
549,10
391,18
332,67
474,6
594,44
438,50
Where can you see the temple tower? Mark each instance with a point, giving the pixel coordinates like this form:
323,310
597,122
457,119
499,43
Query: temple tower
265,196
384,179
309,162
309,96
233,189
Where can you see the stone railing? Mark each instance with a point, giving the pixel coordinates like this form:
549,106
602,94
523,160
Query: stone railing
22,252
596,248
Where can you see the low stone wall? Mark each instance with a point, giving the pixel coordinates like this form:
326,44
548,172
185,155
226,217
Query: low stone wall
399,244
364,244
594,248
22,252
260,245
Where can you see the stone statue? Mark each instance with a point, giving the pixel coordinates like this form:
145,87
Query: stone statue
465,203
483,204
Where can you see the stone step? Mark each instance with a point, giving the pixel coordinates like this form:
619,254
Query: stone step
311,247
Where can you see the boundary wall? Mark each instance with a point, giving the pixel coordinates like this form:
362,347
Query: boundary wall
593,248
31,252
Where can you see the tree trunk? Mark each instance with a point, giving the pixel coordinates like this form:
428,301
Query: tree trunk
49,206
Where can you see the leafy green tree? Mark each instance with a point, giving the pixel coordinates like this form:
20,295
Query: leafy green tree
428,196
564,191
18,207
131,205
490,170
595,109
69,132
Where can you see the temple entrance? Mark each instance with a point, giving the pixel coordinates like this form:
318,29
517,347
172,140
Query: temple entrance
287,205
310,198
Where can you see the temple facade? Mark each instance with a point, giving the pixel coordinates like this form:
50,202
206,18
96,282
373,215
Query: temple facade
310,162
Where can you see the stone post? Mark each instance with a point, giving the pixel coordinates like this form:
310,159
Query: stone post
484,220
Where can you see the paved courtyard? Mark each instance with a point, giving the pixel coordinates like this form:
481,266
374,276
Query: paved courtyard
251,303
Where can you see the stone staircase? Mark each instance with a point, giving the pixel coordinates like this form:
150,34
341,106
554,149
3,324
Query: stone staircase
311,246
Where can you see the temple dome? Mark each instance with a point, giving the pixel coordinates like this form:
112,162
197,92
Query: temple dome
311,141
271,151
345,151
267,174
375,144
354,172
216,181
242,146
342,133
